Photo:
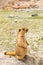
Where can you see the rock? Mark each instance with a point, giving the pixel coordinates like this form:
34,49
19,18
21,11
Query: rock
34,14
15,21
11,16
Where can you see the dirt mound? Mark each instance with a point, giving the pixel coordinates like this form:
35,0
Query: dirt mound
12,4
20,4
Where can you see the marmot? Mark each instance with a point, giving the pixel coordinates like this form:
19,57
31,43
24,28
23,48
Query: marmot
21,45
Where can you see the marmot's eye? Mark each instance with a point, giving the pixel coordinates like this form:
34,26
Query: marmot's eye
23,29
19,30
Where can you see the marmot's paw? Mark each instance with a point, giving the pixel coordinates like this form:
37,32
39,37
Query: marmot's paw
19,58
4,53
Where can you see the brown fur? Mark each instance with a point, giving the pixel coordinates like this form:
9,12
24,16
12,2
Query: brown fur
21,46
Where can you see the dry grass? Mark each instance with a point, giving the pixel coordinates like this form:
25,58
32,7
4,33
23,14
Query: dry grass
9,27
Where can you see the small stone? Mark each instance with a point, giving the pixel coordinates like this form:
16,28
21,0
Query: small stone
11,16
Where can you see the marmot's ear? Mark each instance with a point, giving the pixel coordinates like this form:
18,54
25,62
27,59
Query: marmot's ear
26,30
19,30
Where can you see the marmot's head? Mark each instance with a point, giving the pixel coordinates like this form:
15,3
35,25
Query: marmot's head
22,31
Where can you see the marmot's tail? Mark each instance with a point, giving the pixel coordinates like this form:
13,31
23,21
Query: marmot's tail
10,53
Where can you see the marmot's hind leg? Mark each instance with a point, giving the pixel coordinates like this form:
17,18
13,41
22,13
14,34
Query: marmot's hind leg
19,57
